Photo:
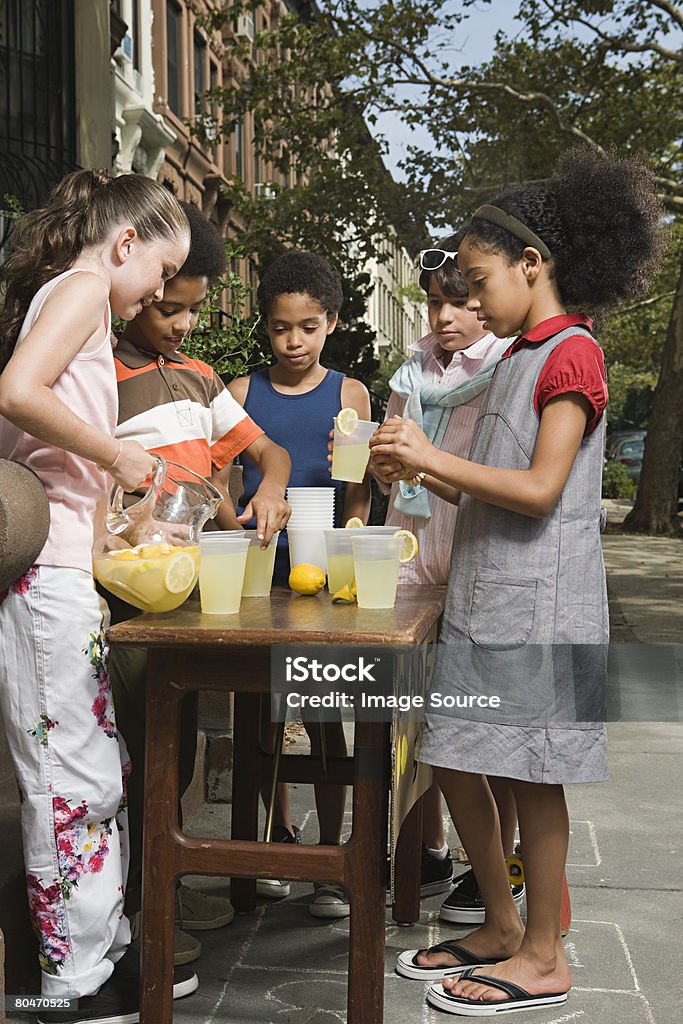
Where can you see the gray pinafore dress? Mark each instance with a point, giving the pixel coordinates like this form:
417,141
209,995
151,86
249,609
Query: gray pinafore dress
526,619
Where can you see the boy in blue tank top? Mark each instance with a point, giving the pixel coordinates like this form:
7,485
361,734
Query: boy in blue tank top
295,401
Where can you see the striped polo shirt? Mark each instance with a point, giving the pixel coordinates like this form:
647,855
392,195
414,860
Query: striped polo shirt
180,408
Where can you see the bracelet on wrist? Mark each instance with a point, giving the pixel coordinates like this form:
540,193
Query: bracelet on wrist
416,480
108,469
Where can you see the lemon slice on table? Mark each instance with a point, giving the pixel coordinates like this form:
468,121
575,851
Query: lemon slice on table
344,596
409,545
180,573
354,523
347,421
306,579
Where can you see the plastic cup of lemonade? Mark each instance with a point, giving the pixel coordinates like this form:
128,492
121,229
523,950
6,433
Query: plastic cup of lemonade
340,568
350,453
221,571
258,574
376,562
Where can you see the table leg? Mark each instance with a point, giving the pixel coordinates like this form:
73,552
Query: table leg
367,881
406,909
160,820
246,776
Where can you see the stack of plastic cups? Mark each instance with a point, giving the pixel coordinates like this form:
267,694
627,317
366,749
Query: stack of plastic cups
312,514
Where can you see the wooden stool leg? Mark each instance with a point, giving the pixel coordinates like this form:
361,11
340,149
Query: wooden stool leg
366,885
160,822
406,908
245,790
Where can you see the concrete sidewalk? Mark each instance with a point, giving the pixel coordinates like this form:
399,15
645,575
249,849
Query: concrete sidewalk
282,966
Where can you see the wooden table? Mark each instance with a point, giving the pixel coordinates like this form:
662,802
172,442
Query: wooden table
189,651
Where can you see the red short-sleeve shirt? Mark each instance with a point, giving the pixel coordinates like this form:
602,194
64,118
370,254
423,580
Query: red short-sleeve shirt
575,365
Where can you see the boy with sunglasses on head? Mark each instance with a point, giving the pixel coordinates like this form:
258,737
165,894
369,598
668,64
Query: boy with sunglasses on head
442,387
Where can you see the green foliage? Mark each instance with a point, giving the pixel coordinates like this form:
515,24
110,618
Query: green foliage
630,396
227,339
386,370
616,483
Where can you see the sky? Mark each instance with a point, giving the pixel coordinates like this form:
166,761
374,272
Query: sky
475,39
475,42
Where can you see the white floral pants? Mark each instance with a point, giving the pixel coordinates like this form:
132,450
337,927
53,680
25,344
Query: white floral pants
71,770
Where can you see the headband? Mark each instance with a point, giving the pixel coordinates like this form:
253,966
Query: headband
494,215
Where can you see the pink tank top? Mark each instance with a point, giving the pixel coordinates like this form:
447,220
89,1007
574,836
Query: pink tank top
74,485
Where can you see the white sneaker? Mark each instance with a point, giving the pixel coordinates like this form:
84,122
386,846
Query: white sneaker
329,900
272,888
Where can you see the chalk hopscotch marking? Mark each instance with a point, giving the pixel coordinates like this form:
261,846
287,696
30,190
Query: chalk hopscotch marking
636,992
593,837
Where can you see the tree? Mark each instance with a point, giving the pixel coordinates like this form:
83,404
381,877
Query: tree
601,72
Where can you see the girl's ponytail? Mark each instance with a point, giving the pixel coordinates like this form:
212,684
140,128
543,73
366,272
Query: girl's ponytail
79,212
598,219
612,226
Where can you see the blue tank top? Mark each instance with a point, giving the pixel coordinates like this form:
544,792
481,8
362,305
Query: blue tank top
301,424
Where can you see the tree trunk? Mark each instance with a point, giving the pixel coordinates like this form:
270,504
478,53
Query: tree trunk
656,501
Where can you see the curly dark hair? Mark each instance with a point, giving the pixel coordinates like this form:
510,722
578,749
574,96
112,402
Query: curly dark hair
601,219
448,277
206,257
301,273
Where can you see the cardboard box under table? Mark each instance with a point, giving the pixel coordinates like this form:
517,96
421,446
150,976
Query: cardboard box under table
190,651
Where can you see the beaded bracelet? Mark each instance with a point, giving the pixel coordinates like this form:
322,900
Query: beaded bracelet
414,481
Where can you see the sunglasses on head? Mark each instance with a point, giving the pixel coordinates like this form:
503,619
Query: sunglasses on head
432,259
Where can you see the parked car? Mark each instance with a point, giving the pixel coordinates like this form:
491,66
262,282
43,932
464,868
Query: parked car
617,436
629,451
627,448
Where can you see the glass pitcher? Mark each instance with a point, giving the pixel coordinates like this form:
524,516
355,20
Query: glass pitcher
149,552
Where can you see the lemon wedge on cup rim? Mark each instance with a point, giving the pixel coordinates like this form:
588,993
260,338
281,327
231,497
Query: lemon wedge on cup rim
354,523
410,545
347,421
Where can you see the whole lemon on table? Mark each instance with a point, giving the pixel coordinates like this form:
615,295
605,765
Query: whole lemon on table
306,579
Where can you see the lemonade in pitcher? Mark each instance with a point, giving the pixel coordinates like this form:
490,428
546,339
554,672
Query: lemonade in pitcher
153,577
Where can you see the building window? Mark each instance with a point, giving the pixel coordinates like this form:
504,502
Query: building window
199,74
213,85
135,29
37,92
239,147
173,29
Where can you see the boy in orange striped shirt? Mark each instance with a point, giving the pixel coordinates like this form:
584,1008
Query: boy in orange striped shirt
179,408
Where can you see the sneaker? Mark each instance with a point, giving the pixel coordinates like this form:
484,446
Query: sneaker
186,948
198,912
271,888
436,875
127,974
117,1001
329,900
465,905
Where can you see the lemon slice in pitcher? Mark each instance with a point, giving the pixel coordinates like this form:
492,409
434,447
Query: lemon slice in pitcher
409,545
180,573
347,421
354,523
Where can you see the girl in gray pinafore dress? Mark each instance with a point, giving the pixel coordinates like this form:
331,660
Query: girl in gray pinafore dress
520,683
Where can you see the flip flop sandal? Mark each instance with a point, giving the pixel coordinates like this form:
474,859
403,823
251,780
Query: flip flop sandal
408,967
520,999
